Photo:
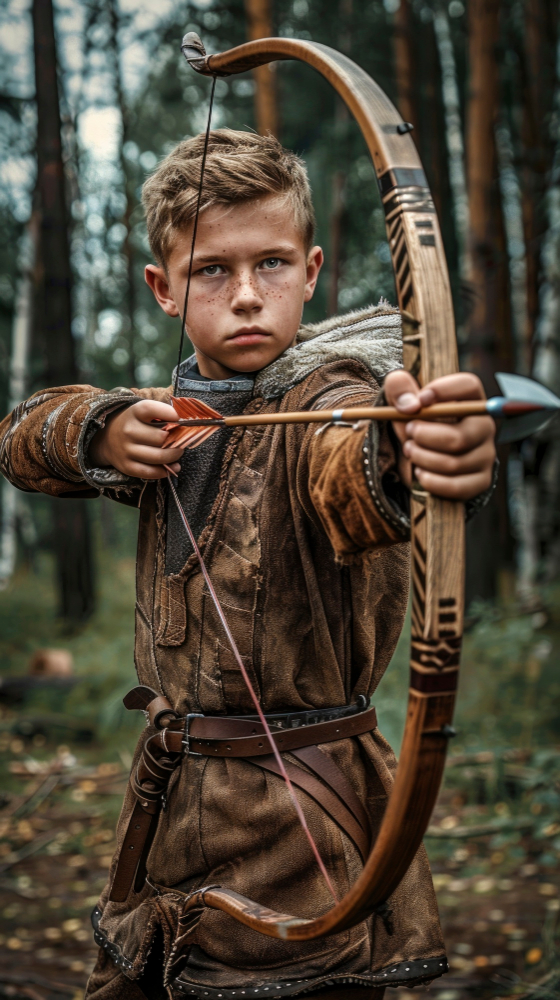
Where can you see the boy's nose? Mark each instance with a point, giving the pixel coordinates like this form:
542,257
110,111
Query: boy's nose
246,296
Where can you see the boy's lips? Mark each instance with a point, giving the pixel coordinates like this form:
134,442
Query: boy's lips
249,335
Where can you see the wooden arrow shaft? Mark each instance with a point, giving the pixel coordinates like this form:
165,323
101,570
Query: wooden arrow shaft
350,415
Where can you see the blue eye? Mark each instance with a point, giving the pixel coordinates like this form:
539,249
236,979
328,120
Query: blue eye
271,263
212,269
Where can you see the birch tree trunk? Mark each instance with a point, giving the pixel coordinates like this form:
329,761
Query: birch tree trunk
72,541
21,338
259,25
454,138
513,222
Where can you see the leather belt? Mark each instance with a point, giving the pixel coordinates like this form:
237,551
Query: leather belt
235,736
242,737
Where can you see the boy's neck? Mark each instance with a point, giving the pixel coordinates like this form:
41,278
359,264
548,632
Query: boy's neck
212,369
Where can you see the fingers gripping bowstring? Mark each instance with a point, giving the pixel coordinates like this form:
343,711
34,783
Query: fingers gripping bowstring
214,596
195,229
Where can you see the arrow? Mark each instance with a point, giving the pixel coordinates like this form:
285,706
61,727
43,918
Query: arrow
526,407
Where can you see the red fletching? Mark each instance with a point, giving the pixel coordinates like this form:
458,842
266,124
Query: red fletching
190,409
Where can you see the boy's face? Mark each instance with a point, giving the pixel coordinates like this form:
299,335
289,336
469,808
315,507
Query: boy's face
251,276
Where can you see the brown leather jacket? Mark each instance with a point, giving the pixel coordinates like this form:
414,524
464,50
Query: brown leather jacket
311,565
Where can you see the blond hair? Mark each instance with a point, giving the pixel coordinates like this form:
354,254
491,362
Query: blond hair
239,166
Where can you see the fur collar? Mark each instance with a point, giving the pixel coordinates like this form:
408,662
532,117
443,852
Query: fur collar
372,335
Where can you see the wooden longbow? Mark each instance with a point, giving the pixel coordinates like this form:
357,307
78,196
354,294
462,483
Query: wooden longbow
437,526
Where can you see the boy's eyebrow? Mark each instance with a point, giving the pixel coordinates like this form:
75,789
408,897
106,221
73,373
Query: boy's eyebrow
268,252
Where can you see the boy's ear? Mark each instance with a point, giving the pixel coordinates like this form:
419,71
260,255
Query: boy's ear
315,260
157,279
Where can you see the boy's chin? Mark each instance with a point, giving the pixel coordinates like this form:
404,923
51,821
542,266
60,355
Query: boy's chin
254,362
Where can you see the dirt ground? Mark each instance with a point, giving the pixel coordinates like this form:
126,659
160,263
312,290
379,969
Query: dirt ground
499,904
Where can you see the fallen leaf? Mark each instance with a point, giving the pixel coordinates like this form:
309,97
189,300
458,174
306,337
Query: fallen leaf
481,961
448,822
547,889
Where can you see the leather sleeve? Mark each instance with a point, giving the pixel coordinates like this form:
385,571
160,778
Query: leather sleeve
355,487
44,441
353,483
346,478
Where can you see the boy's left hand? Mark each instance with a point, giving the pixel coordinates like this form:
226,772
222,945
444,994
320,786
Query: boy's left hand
450,460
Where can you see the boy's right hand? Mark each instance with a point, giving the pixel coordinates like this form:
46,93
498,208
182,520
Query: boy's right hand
130,443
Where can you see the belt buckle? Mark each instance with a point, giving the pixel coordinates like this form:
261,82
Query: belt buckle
186,735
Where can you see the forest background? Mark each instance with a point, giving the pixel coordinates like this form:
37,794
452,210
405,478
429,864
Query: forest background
480,83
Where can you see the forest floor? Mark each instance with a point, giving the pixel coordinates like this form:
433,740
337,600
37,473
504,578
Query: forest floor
499,917
494,839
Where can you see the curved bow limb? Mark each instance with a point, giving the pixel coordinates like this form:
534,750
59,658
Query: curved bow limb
437,526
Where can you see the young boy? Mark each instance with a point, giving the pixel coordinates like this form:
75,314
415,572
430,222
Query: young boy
310,562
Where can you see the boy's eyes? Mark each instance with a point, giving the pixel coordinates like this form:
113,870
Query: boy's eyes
212,269
268,264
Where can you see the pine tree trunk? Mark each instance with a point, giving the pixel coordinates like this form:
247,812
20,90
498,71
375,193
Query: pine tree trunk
538,87
71,527
431,132
488,325
259,25
405,67
546,369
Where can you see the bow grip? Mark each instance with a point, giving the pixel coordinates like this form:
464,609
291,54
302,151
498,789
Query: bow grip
157,706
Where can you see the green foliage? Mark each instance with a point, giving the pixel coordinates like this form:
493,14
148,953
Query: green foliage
508,688
102,651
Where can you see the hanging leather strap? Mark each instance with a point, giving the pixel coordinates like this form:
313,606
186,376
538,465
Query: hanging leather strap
227,736
326,768
148,782
323,794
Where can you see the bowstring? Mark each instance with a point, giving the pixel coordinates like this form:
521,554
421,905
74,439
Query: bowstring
213,594
195,229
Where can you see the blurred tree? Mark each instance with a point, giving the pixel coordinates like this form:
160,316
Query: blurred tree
538,70
489,322
71,534
337,214
455,209
408,82
130,201
259,25
492,63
